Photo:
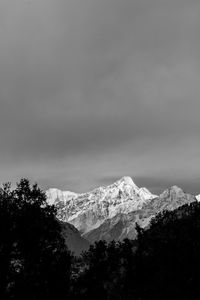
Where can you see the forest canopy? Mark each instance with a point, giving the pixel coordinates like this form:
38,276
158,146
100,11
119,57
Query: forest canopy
35,263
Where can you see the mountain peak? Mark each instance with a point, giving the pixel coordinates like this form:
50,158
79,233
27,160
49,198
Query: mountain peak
198,197
88,210
118,206
176,188
127,180
176,194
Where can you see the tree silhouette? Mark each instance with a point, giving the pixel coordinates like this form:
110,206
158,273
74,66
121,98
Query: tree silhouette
168,255
34,261
164,262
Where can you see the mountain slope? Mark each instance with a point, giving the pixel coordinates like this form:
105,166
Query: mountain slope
198,197
123,225
111,212
88,211
74,241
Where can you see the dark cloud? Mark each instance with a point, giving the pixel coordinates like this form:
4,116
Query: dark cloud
92,88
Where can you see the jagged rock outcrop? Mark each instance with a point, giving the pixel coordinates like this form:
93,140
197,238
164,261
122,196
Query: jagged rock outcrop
123,225
111,212
88,211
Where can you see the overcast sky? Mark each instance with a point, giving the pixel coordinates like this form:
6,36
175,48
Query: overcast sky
92,90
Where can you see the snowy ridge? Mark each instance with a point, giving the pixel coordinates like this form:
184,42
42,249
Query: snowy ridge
123,225
54,195
198,197
88,211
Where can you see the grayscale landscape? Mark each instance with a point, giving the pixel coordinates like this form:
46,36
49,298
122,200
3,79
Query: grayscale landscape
99,149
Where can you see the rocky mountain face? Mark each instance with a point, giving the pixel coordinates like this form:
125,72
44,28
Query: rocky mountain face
123,225
111,212
89,210
73,239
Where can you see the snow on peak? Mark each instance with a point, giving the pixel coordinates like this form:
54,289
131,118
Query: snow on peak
87,211
126,180
55,195
173,192
146,194
174,196
198,197
176,189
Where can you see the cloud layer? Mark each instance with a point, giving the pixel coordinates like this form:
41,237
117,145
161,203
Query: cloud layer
96,89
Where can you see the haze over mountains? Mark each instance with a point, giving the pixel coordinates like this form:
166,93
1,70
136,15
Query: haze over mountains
111,212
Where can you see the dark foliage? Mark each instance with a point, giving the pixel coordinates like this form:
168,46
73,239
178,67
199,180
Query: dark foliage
168,255
34,262
163,263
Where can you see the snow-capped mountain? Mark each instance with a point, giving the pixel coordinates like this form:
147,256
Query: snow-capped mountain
198,197
88,211
111,212
123,225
